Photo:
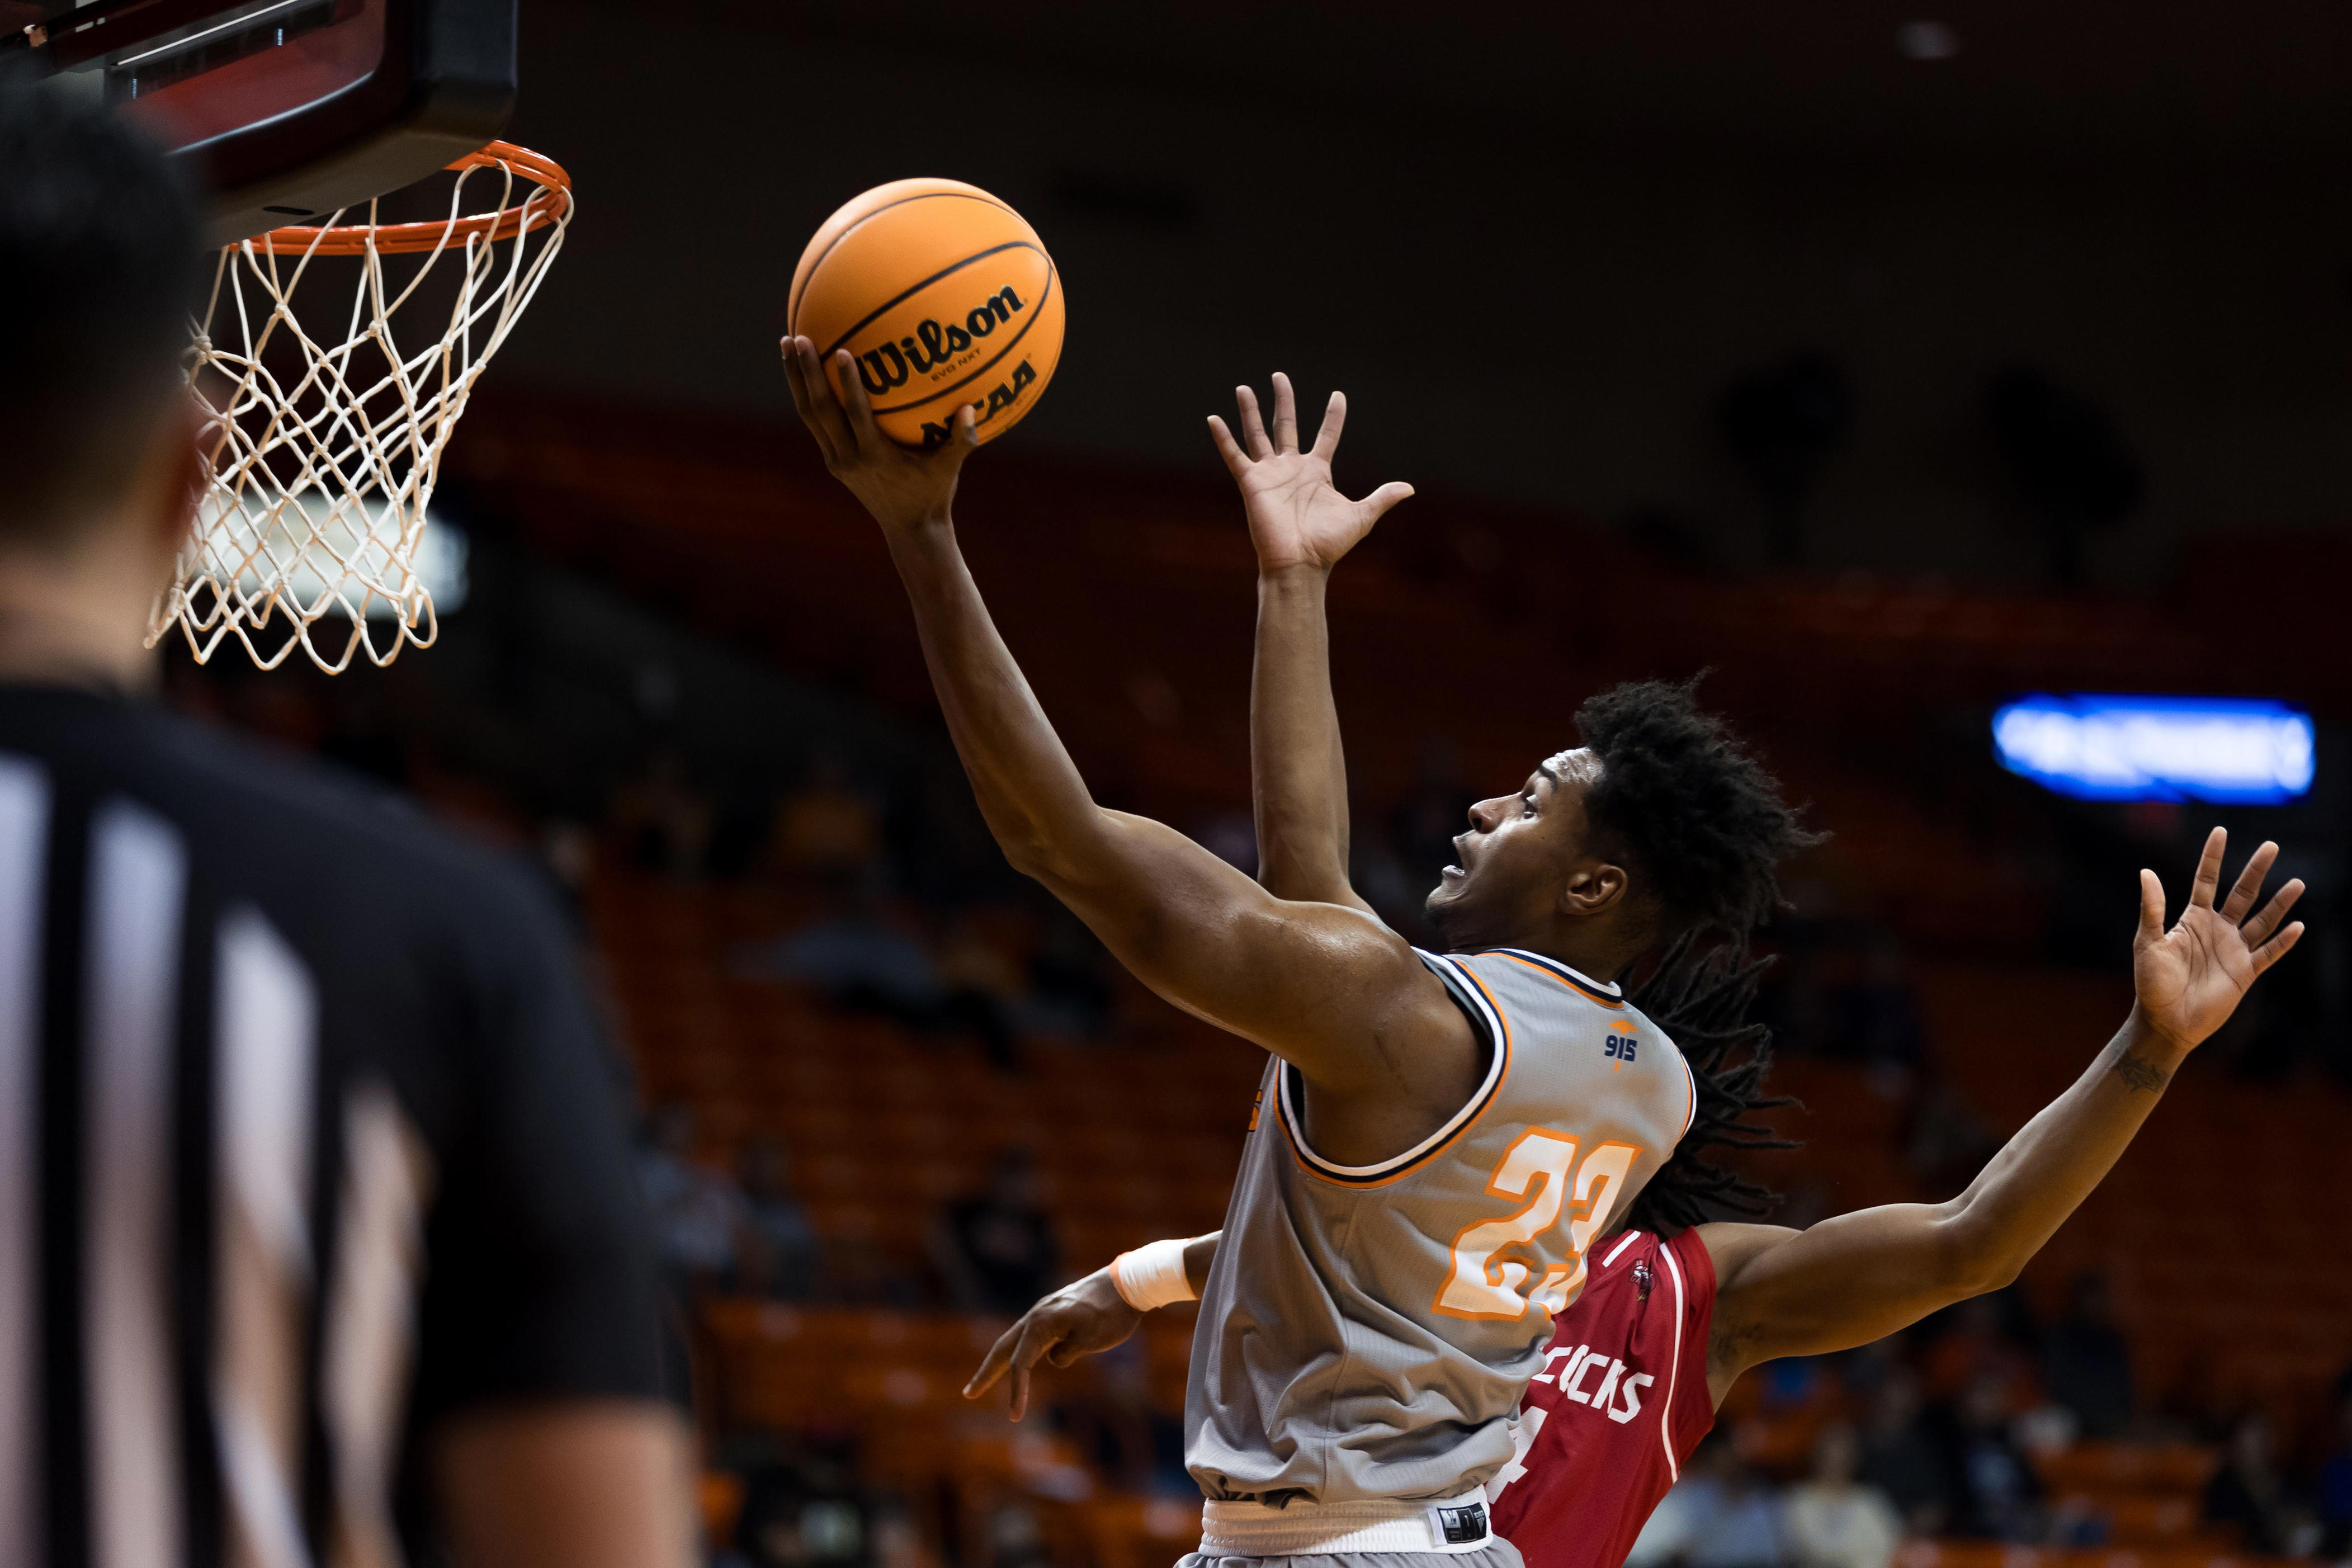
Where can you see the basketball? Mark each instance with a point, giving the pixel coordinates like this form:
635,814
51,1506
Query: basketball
945,295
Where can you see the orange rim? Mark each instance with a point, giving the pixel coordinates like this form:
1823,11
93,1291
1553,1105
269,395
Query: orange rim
544,206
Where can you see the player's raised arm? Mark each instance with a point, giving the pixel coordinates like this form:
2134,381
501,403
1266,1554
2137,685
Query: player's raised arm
1858,1277
1326,988
1300,526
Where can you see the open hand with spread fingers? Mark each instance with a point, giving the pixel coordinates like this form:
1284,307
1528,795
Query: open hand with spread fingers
1297,516
2190,978
901,486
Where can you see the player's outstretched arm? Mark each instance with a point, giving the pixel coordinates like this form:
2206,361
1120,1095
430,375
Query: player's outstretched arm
1083,1317
1327,988
1301,526
1851,1279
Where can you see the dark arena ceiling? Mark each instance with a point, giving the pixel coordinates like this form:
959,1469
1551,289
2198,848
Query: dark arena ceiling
2083,79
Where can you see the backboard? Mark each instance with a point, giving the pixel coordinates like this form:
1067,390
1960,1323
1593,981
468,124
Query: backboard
288,109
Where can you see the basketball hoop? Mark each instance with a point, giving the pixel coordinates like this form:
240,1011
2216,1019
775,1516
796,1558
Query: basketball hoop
323,445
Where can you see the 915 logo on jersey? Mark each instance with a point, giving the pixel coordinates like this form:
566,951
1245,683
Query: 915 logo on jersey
1622,1043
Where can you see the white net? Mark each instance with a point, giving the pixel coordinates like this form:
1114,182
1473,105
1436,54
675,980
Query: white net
325,441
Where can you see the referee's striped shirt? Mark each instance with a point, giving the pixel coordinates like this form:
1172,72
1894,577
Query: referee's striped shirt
308,1141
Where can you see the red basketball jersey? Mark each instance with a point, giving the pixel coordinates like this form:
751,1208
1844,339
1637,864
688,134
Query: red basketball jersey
1620,1403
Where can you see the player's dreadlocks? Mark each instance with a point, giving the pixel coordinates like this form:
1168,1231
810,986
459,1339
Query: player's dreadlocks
1700,996
1687,807
1701,824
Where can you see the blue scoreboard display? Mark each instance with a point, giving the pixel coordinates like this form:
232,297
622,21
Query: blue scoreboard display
2228,751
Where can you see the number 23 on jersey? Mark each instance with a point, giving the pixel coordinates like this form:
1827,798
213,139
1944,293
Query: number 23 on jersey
1494,1259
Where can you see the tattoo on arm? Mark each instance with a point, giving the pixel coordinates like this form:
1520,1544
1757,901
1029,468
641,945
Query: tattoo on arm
2137,1074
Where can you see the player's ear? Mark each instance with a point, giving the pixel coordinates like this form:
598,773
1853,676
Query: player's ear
1593,889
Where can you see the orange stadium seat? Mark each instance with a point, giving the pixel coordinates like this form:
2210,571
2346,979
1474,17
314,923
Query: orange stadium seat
1129,1532
2112,1468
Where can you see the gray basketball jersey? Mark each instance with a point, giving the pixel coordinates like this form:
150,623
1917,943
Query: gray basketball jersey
1367,1331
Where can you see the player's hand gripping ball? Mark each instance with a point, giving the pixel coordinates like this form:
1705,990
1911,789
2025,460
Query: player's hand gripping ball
945,296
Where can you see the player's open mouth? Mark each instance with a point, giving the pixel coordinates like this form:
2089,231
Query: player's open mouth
1452,871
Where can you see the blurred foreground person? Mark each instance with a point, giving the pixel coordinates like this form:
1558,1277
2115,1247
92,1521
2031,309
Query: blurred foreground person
318,1238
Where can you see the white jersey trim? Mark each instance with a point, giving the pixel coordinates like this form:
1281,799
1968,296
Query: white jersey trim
1690,1078
1472,995
1674,1368
1609,988
1631,1238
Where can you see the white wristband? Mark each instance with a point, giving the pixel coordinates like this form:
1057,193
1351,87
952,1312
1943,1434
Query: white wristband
1151,1276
